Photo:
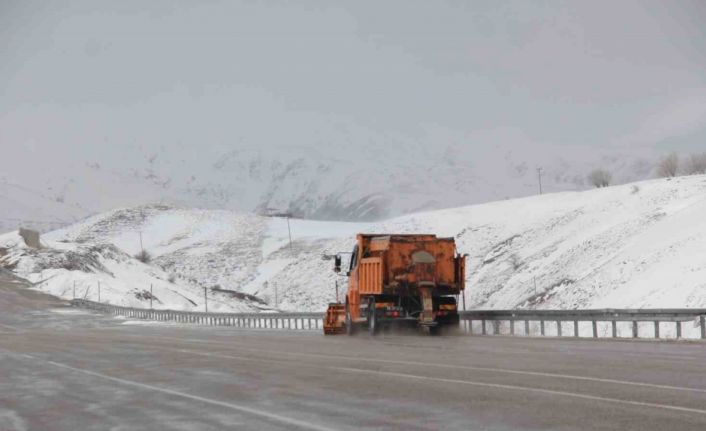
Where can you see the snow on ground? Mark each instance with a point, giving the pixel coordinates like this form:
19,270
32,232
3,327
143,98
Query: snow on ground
101,271
636,245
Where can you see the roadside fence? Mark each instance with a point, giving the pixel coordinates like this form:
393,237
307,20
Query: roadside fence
610,323
613,323
293,321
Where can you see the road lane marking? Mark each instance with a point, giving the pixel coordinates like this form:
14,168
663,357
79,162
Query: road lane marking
14,328
458,381
434,365
239,408
463,367
525,389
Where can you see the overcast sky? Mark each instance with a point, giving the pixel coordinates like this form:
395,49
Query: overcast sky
90,78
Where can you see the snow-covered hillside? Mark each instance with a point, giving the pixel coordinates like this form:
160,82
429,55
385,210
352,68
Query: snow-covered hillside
636,245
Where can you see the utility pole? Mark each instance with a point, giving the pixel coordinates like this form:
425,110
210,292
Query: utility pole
205,299
539,174
336,290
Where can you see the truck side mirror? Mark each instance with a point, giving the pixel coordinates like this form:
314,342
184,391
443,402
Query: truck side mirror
337,263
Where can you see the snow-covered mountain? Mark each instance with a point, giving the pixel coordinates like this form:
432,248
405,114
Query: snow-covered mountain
362,182
27,207
635,245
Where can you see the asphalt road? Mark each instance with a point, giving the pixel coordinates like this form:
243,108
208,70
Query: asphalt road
63,369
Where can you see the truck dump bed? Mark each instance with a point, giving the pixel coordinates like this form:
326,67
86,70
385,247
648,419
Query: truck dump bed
389,261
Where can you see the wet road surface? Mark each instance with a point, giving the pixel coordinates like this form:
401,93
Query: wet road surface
68,369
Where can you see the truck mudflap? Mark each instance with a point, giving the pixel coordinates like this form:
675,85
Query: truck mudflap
427,317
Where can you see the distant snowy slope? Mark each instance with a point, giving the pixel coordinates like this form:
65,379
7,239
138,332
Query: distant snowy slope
636,245
372,179
23,206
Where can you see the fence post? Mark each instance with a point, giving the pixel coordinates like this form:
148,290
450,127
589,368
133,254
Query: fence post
484,331
634,329
541,327
527,329
615,328
679,329
576,328
558,328
512,327
595,328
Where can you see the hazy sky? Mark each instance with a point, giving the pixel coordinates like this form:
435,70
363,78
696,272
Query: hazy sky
89,78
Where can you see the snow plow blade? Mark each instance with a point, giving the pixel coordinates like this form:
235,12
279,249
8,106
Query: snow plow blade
334,322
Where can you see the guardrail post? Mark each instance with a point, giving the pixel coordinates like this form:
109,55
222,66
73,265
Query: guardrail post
679,329
558,328
634,329
615,328
702,320
541,327
527,329
595,328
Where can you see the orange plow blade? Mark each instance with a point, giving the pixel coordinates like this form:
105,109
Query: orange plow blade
334,323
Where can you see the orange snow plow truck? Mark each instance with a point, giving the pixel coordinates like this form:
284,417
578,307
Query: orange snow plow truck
399,278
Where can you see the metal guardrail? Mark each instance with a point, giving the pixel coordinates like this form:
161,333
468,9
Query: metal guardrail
288,320
556,318
634,316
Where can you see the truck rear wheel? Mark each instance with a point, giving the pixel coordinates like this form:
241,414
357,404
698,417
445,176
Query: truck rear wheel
350,326
373,324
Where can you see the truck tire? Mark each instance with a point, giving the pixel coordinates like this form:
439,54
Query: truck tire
373,324
350,326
